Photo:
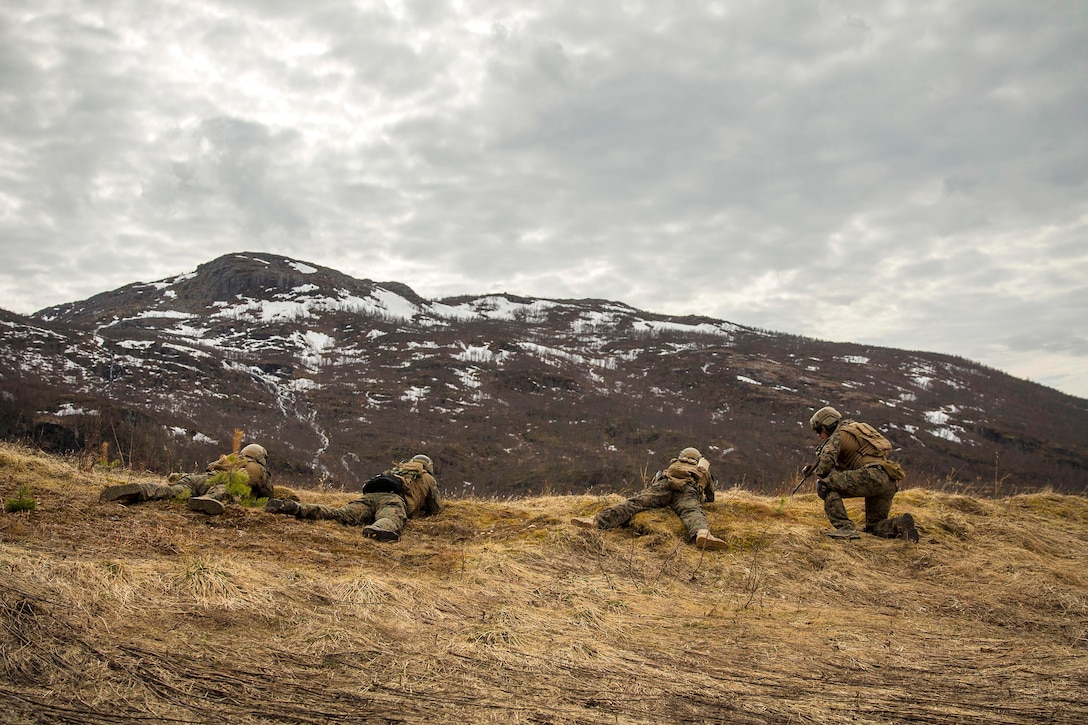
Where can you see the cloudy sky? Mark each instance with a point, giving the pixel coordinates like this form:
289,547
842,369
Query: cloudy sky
908,174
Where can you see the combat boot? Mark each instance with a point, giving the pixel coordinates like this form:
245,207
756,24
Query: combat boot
584,522
282,506
127,493
904,528
374,532
206,505
844,534
708,541
135,493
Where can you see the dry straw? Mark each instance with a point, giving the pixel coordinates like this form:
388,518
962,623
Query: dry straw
502,612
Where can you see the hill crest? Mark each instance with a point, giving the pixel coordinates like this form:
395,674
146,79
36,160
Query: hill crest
500,611
512,395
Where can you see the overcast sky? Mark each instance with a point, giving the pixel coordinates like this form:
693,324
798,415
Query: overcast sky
907,174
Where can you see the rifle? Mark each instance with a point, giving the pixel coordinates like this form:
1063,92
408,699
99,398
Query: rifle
810,468
807,470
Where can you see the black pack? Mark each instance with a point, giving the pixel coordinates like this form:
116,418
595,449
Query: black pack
384,483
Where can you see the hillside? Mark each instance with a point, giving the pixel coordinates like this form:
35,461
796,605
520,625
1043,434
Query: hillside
336,376
500,611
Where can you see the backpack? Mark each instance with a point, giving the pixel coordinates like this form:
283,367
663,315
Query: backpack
868,434
384,483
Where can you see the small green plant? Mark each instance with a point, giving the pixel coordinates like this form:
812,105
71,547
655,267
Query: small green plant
23,501
235,481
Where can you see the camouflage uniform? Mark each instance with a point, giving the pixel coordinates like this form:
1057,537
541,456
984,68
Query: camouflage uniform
200,485
681,487
386,503
849,467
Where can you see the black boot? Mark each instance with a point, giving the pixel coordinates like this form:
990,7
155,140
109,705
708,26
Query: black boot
904,528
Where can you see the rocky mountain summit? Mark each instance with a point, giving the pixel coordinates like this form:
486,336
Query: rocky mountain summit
509,395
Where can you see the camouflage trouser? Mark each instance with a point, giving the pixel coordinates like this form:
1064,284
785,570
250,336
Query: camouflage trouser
687,503
386,510
196,484
155,491
873,484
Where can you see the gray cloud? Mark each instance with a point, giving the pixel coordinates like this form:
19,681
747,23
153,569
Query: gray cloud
906,176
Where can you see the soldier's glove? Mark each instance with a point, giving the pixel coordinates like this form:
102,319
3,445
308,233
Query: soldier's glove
709,495
808,469
822,489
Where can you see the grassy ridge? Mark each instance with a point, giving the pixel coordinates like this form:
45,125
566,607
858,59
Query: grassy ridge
503,612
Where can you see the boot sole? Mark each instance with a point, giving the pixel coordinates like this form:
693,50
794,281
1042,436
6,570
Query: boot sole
706,545
125,493
207,506
907,529
381,534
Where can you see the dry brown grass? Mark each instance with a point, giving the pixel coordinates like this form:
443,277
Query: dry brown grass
502,612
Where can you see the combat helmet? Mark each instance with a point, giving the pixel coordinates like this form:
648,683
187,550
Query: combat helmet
824,418
689,455
428,465
256,452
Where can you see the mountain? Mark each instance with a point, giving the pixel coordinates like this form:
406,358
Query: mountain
509,395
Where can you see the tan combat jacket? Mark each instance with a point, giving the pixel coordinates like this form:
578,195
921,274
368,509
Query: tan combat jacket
679,474
844,451
260,478
420,489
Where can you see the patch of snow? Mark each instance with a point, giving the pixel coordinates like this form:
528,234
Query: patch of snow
135,344
414,394
70,409
170,314
303,268
947,434
748,380
479,353
936,417
195,352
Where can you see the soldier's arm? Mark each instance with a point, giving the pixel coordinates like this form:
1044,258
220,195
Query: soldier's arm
220,464
827,456
260,480
708,479
432,504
